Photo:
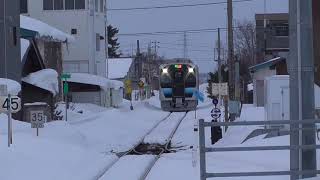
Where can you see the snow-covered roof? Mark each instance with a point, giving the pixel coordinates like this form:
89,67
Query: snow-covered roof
118,67
24,47
13,86
103,82
45,79
265,64
44,29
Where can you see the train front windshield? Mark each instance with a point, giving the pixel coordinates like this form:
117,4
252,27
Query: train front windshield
179,78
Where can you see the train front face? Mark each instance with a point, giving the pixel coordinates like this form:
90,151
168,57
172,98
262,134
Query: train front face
177,85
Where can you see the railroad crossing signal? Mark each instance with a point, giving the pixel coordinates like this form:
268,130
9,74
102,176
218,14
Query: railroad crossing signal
215,102
215,113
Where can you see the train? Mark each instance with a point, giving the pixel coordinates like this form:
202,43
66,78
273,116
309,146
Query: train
178,82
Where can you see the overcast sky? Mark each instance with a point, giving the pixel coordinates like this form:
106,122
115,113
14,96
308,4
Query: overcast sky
201,45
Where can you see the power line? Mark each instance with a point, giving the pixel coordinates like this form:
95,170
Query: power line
175,6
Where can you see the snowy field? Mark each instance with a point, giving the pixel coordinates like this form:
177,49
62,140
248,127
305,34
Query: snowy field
84,147
80,149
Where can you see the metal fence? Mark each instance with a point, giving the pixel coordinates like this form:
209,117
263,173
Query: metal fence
203,149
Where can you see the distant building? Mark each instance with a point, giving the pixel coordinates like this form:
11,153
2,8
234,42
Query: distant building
85,21
275,66
273,40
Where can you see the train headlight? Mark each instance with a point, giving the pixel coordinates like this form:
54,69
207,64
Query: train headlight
190,70
165,70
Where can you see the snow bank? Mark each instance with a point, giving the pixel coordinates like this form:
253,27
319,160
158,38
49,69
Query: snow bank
118,67
13,86
46,79
104,83
24,47
44,29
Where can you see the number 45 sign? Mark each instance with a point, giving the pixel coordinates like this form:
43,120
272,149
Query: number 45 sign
15,104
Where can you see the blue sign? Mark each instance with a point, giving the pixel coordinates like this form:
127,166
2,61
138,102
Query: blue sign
215,101
199,95
216,113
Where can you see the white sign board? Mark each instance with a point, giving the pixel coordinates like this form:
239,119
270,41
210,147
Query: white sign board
15,104
37,119
221,89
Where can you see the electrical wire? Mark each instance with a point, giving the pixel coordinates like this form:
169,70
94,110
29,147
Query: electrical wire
175,6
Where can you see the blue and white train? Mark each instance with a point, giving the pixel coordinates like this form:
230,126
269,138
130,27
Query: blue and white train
178,82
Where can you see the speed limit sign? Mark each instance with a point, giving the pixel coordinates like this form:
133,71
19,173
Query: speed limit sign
14,103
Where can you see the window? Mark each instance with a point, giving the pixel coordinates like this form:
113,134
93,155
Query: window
281,29
69,4
47,4
23,6
101,6
74,31
58,5
97,42
96,5
80,4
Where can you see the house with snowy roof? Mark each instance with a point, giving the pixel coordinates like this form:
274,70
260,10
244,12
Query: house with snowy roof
85,20
274,66
41,58
119,68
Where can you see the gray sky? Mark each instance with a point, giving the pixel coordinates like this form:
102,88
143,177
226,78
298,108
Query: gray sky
200,46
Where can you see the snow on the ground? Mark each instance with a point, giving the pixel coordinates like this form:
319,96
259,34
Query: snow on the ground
130,167
161,133
224,161
118,67
44,29
55,154
77,149
46,79
13,87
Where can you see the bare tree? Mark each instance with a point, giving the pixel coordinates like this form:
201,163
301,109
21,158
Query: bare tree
245,46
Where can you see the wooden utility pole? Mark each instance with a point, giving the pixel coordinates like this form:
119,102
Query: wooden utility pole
231,56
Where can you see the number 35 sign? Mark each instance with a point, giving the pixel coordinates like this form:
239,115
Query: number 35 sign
14,103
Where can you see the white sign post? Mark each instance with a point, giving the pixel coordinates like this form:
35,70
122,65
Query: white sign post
9,104
220,89
37,119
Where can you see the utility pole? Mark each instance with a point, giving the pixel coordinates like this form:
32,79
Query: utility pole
231,62
185,46
107,39
139,62
219,63
301,69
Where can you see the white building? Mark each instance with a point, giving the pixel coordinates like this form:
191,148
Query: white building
83,19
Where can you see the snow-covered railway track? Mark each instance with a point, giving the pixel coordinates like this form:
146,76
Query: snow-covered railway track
165,149
132,150
143,159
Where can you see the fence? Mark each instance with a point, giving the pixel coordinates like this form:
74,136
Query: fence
293,173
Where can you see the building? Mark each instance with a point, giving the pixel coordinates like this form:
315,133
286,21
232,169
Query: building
85,21
273,40
259,72
41,58
10,36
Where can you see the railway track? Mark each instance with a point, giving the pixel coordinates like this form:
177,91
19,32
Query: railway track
157,152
